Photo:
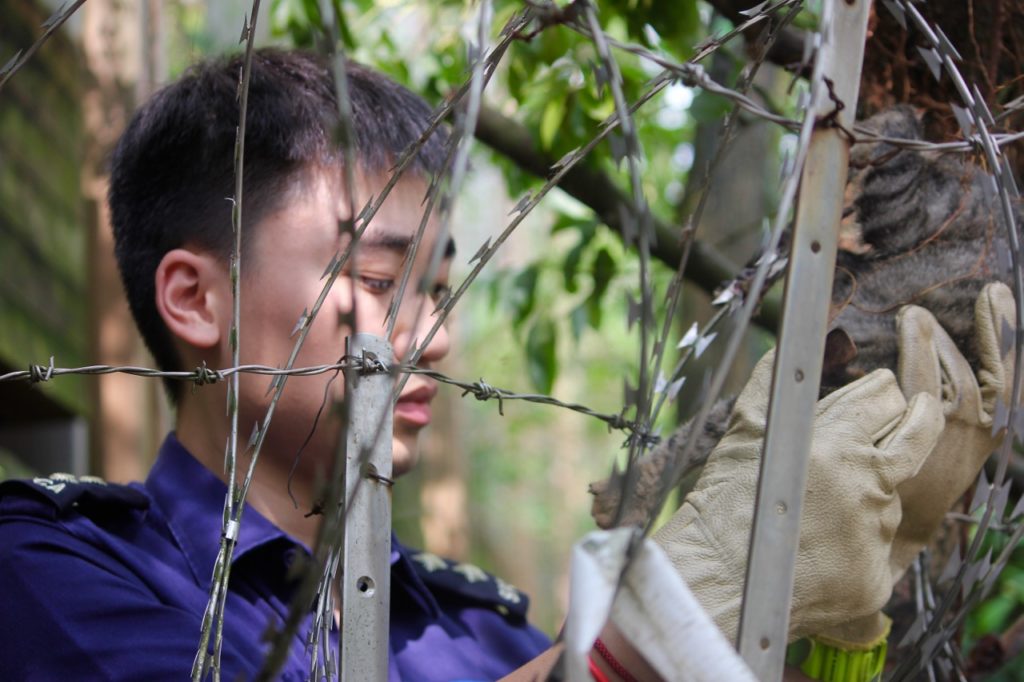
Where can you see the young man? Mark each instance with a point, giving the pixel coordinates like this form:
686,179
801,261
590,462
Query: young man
110,582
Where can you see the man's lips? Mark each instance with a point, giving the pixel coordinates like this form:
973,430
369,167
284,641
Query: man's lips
414,406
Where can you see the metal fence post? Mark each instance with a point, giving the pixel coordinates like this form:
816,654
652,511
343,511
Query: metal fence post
769,586
365,573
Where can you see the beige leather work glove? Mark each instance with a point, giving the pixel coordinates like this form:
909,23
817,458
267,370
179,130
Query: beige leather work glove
929,362
866,441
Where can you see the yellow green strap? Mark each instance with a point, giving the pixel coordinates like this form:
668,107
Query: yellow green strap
831,664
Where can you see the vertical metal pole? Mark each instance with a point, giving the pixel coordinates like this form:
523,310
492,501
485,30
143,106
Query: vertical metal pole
365,573
764,623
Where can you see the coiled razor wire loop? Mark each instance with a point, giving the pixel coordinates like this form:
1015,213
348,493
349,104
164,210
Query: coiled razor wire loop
936,625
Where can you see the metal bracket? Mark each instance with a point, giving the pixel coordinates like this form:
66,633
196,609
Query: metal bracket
764,624
365,574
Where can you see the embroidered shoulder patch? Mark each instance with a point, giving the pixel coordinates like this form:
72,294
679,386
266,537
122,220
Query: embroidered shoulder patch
469,581
65,491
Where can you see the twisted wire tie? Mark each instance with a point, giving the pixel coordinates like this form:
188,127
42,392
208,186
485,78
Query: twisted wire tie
205,376
367,363
617,423
39,373
373,365
374,476
481,390
649,439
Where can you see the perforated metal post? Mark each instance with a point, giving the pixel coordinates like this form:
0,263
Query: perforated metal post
365,574
769,587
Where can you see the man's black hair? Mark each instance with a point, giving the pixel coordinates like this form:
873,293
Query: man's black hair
172,170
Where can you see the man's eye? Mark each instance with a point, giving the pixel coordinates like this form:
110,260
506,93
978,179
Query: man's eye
378,285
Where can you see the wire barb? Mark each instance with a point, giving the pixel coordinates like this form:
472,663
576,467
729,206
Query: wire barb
40,373
205,376
481,390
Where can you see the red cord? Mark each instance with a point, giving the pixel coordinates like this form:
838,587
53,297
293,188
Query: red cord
595,672
613,662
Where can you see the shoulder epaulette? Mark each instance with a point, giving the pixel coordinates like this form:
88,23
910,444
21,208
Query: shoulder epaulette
469,581
65,492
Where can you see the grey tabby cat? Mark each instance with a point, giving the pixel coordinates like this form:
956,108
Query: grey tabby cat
931,233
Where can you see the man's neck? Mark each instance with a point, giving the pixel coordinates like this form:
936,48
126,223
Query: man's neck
202,430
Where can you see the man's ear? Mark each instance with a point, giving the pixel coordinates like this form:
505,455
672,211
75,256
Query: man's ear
193,296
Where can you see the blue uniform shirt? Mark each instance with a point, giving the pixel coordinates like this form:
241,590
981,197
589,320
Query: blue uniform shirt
109,582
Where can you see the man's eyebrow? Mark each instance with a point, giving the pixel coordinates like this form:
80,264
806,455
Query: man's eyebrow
399,243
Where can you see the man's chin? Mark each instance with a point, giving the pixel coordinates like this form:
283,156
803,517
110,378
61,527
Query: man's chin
404,455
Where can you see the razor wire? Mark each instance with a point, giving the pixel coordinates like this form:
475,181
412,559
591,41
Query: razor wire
234,503
970,578
973,575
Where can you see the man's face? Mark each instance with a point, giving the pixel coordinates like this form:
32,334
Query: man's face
282,275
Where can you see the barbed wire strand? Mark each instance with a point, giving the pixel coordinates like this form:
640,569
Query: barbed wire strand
559,170
368,213
455,169
522,209
324,592
213,616
202,376
689,71
637,230
764,43
481,70
745,310
319,641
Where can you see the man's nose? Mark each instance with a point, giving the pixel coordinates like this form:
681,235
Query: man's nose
408,331
439,345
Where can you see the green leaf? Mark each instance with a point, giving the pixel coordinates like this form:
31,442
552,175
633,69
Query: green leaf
541,356
600,109
594,310
524,294
586,226
993,614
551,121
604,269
571,266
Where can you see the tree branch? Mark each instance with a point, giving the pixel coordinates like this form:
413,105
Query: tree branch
707,268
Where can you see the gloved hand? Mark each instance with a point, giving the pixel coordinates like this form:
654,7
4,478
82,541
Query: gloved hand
866,440
929,362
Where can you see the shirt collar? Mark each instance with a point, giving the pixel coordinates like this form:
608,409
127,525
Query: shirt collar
191,499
